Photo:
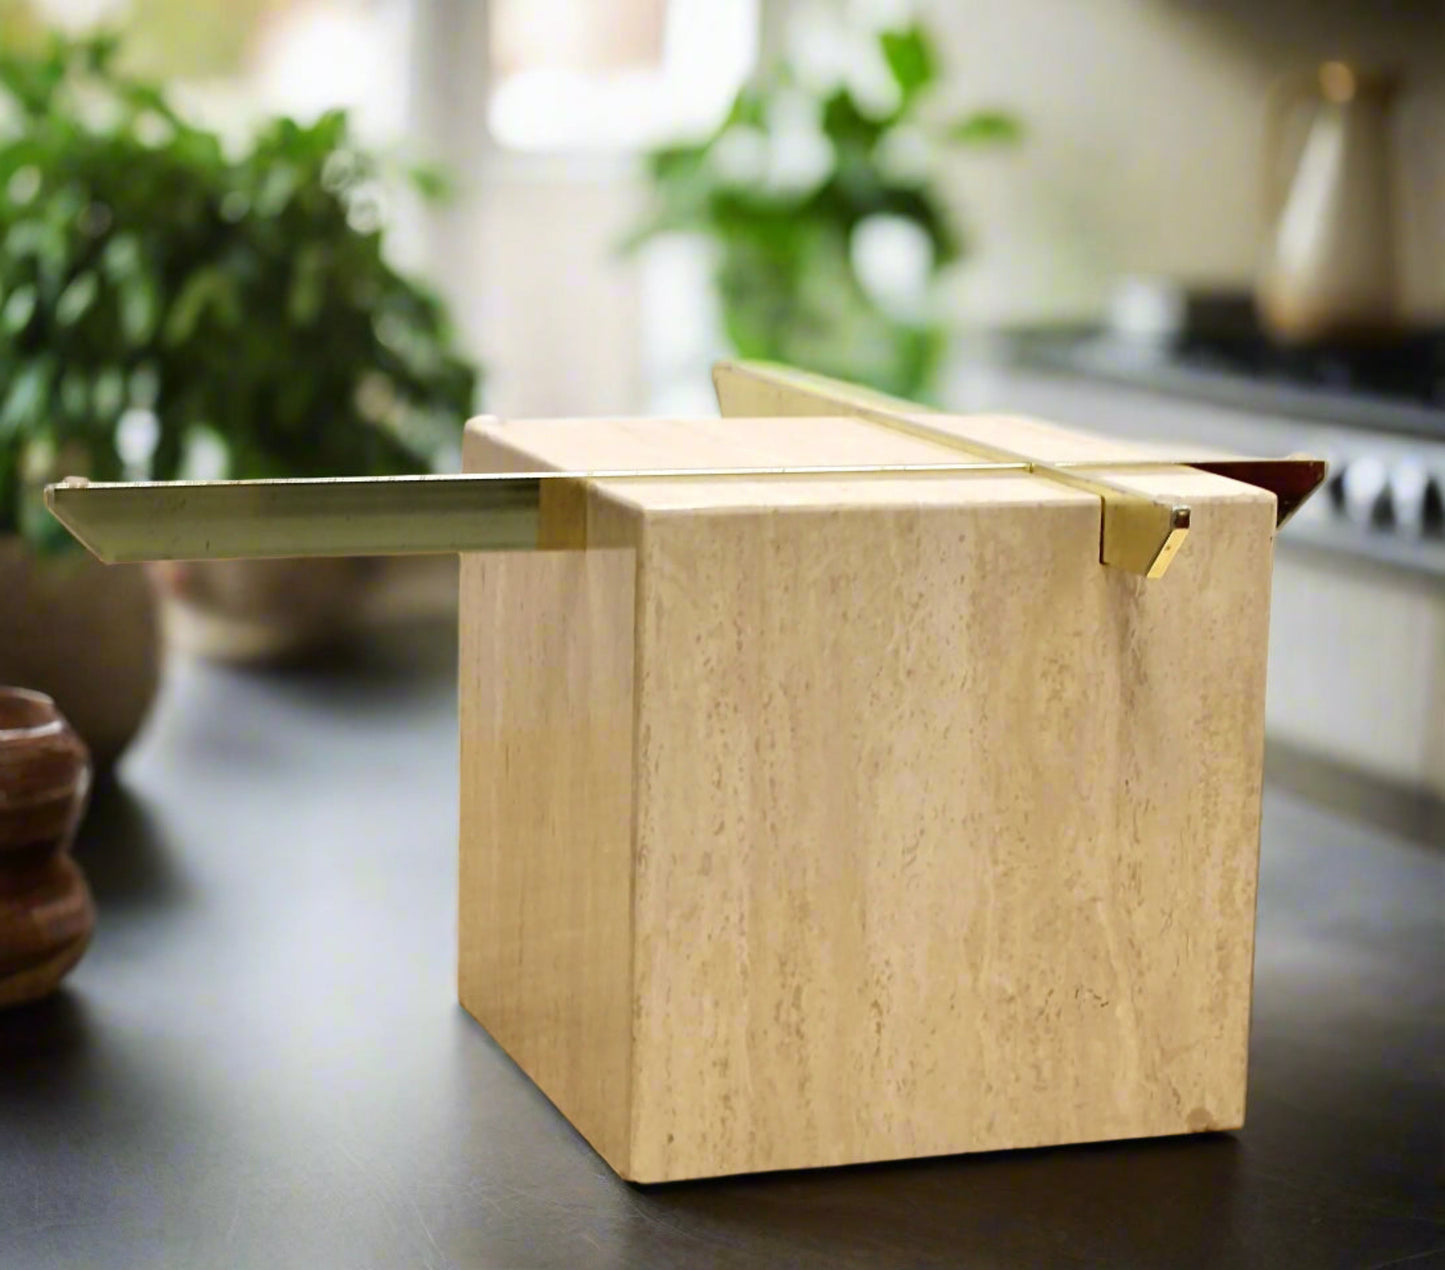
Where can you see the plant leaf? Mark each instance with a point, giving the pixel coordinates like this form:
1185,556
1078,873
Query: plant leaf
216,274
985,127
76,299
909,55
139,310
121,257
307,285
433,182
201,290
109,392
19,309
28,395
75,393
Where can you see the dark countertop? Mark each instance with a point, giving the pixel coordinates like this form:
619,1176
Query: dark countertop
262,1063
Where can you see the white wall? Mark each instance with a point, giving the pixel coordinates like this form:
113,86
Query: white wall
1146,130
557,307
1145,121
527,255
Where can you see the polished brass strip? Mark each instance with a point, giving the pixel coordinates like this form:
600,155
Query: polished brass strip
125,522
1138,533
220,520
402,515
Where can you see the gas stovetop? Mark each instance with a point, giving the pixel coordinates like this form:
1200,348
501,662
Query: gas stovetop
1377,413
1220,354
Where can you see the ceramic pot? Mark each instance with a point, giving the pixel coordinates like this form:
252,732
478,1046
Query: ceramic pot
264,611
46,913
84,633
261,610
1331,270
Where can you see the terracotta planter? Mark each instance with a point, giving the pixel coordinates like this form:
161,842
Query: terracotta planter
46,913
85,634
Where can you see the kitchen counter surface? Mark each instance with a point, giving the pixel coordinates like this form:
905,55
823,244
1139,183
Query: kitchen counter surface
261,1062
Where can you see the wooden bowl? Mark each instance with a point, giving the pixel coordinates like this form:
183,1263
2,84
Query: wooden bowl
46,912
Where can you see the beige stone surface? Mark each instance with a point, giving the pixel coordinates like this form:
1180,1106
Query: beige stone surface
807,822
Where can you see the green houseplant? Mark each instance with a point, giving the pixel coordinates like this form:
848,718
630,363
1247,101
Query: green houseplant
169,307
172,308
162,300
802,174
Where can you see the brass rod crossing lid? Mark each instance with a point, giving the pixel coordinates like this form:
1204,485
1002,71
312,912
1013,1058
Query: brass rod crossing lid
393,515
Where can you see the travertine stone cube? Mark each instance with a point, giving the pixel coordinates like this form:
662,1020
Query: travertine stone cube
811,821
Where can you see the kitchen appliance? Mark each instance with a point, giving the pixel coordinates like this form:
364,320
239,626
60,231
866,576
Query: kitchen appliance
1376,410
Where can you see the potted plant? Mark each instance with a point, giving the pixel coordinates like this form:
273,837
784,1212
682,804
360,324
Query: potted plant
817,196
171,309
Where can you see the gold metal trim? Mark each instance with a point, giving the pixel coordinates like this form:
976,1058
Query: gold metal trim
1139,533
127,522
403,515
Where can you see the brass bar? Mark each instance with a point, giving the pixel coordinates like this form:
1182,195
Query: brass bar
1139,533
220,520
403,515
126,522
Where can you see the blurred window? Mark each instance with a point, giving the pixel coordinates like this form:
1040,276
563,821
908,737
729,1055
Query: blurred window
227,61
579,74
